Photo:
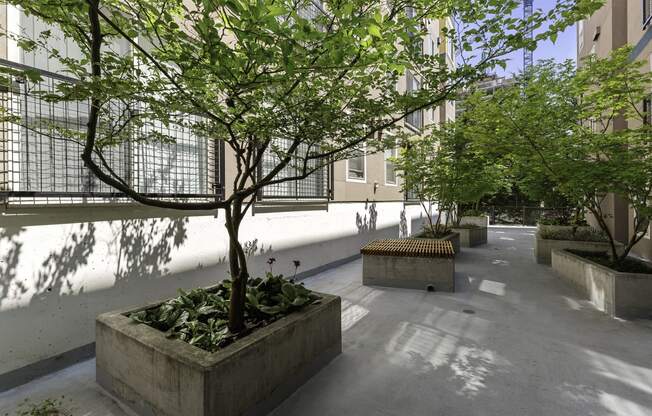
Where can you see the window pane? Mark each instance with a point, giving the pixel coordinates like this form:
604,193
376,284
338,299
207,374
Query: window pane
390,169
356,167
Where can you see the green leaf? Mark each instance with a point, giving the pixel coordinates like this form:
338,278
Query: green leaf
374,31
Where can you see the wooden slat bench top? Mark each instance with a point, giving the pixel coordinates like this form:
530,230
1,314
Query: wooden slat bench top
409,248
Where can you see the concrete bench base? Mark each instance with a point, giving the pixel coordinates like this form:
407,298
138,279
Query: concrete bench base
158,376
409,272
625,295
472,237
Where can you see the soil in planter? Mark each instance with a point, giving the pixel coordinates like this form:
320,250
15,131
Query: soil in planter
199,317
629,265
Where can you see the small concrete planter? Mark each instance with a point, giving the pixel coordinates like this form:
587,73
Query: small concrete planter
479,221
453,237
471,237
167,377
625,295
543,247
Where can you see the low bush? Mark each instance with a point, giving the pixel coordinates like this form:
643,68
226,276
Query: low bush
472,213
46,407
428,232
467,226
578,234
200,316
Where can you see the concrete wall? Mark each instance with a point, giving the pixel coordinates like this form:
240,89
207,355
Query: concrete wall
626,295
60,268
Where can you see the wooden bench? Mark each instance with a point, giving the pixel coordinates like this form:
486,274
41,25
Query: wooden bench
426,264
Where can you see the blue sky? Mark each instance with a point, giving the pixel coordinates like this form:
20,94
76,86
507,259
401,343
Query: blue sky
564,48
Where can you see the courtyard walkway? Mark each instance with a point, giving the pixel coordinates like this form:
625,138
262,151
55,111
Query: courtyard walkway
514,340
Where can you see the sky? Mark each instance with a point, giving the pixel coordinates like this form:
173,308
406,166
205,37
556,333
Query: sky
564,48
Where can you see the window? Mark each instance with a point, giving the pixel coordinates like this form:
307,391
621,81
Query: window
647,12
390,168
580,33
315,186
37,164
647,110
356,167
414,119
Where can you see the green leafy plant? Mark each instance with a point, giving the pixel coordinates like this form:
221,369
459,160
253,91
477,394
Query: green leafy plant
585,131
200,316
574,234
446,167
46,407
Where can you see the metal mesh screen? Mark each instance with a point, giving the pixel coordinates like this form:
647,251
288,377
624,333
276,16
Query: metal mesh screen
37,161
315,186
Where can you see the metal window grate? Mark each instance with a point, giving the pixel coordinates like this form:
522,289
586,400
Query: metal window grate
315,186
40,164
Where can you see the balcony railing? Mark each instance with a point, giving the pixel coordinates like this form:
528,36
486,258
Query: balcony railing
314,187
39,162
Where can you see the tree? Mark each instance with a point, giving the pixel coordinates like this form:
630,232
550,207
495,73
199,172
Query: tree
448,168
558,123
319,78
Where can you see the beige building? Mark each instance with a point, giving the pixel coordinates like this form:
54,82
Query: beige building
616,24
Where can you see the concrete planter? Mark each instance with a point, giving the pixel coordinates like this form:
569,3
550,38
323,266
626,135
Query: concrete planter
453,237
480,221
625,295
423,273
471,237
159,376
543,247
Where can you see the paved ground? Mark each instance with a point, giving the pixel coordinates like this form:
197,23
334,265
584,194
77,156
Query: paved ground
513,340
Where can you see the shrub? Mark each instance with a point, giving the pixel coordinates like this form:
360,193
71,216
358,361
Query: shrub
200,317
578,234
472,213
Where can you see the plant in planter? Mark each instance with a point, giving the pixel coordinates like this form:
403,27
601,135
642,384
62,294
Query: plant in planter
446,168
560,122
200,316
288,87
272,84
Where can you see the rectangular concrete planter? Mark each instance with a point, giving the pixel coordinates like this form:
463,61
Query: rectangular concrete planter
453,237
625,295
543,247
480,221
158,376
409,272
471,237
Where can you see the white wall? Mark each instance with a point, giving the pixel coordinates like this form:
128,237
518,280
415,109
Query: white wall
57,274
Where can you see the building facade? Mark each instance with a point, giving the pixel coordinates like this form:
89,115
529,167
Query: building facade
616,24
70,248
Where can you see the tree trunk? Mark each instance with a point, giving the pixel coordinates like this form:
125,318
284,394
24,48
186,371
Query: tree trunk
237,267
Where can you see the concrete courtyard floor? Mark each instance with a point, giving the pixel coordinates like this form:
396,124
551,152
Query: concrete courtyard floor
513,340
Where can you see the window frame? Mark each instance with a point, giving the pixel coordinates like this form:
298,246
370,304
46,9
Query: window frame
647,12
364,167
394,151
409,79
